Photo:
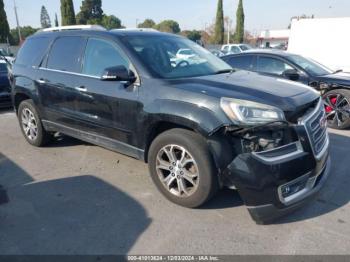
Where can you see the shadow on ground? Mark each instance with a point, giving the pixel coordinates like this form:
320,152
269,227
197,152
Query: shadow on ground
78,215
336,193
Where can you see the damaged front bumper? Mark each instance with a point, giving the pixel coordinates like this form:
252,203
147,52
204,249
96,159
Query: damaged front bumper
275,182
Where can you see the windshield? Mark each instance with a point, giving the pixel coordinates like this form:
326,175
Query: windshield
157,54
310,66
3,52
245,47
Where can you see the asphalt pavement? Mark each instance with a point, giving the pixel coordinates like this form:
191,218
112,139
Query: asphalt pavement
75,198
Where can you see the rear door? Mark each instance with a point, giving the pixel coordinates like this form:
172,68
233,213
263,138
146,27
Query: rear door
58,79
106,108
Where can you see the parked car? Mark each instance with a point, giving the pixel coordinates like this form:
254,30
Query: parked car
333,85
8,56
217,53
5,90
235,48
199,127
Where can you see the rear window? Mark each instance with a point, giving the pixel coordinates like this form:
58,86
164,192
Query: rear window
32,51
242,62
66,53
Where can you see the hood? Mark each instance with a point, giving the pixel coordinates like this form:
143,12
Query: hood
342,79
284,94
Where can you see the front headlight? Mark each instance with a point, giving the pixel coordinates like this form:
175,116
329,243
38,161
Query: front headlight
243,112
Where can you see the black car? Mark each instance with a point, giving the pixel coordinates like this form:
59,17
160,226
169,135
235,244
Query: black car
199,126
5,89
334,86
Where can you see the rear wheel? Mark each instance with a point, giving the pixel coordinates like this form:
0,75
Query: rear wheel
337,105
31,125
182,168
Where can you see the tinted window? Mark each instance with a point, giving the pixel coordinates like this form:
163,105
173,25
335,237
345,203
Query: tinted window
32,51
243,62
66,53
272,65
99,55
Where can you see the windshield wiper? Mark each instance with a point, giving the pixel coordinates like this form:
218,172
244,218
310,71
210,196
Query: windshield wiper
338,71
225,71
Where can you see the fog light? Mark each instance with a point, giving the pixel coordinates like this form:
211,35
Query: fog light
293,188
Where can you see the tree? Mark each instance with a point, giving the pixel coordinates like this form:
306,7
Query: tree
26,31
4,25
169,26
239,34
56,20
111,22
67,12
193,35
45,18
90,12
148,23
219,25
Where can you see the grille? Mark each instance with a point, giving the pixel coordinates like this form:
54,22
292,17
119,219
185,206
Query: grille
316,127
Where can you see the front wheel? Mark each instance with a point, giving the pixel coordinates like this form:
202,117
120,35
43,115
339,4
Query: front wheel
337,105
182,168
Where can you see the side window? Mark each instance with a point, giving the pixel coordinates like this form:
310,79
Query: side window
65,54
245,62
235,49
32,51
99,55
272,65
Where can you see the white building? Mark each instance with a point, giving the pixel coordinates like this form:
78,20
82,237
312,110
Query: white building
273,38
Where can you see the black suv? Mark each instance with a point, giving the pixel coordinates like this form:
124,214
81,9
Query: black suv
333,85
198,124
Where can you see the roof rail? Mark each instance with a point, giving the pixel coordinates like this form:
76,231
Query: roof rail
137,29
73,27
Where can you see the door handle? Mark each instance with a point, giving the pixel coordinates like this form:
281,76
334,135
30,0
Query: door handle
81,88
41,81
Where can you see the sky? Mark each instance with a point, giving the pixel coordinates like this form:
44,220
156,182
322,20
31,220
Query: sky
191,14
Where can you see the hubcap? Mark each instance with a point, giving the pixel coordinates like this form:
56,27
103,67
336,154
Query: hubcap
29,124
177,170
337,109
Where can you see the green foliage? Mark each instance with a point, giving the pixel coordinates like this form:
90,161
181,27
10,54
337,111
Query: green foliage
26,31
148,23
193,35
67,12
239,34
4,25
219,29
169,26
90,12
111,22
45,18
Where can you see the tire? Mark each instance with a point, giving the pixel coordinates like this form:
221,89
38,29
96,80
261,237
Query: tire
197,165
337,104
27,113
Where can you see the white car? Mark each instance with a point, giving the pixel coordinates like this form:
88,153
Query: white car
235,48
185,54
4,53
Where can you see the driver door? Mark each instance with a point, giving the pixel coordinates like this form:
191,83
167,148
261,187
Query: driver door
107,109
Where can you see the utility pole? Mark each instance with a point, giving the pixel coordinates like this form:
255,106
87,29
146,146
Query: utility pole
18,27
137,22
228,31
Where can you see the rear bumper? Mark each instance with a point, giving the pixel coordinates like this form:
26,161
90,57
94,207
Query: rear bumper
268,213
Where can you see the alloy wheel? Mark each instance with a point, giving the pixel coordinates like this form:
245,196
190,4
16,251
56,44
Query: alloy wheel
29,124
337,109
177,170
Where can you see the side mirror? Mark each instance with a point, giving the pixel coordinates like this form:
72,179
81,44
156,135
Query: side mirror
118,73
291,74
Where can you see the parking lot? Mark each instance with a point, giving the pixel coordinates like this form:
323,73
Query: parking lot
76,198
